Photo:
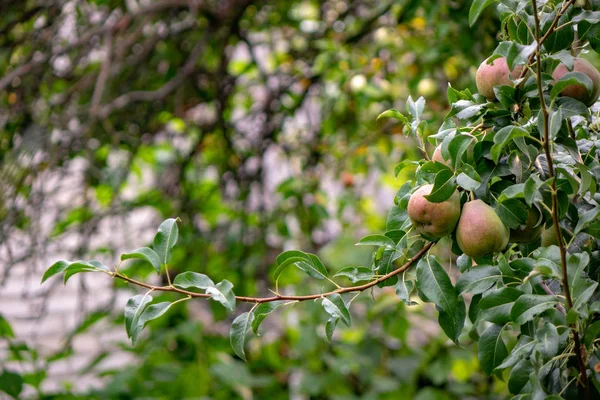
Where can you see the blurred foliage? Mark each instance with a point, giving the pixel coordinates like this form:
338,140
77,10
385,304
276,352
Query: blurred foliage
254,122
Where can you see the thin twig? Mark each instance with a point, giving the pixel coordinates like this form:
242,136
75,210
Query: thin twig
341,290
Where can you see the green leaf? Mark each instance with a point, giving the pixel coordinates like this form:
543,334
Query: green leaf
468,179
496,305
415,108
334,306
189,279
223,293
376,240
457,147
512,212
477,8
443,187
572,78
356,274
309,263
403,290
503,137
392,113
434,283
144,253
262,311
165,239
330,327
548,340
528,306
5,328
478,279
453,322
84,266
151,312
403,164
519,376
238,331
133,309
587,217
492,350
521,350
56,268
11,383
592,333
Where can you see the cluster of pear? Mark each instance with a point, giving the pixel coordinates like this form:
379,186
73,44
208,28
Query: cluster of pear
497,72
478,228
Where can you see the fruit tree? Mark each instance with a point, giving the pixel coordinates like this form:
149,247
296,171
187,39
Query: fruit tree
511,185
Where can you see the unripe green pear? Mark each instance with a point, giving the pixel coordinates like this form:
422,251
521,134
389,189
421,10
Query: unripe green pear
530,230
580,92
496,73
437,156
480,231
433,220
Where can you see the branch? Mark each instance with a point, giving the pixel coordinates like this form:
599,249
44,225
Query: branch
555,218
103,75
150,95
550,31
40,59
257,300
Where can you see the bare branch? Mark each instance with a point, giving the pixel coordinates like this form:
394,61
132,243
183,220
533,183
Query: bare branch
151,95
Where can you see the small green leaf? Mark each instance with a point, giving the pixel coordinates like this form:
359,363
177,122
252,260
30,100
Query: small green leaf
309,263
496,305
133,309
452,322
189,279
443,187
434,283
223,293
587,217
468,179
503,137
238,331
84,266
334,306
492,350
165,239
522,349
403,290
512,212
572,78
548,340
376,240
144,253
403,164
11,383
5,328
529,306
478,279
56,268
262,311
519,376
392,113
356,274
152,312
330,327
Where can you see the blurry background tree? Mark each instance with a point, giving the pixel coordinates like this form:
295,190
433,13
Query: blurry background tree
253,122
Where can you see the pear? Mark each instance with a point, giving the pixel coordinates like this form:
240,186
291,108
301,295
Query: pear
480,230
433,220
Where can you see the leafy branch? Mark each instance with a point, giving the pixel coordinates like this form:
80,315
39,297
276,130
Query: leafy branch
546,144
